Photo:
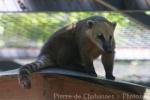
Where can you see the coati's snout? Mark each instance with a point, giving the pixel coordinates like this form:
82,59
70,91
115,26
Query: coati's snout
105,45
107,48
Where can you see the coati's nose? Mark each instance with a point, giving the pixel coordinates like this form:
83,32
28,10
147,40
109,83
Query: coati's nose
107,49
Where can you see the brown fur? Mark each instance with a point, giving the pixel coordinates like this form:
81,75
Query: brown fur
75,47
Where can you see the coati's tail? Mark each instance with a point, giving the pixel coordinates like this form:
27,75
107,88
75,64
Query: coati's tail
27,69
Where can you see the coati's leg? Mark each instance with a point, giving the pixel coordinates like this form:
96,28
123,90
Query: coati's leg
89,68
27,69
108,61
87,63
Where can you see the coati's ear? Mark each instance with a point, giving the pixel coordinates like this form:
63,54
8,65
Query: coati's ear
90,23
114,24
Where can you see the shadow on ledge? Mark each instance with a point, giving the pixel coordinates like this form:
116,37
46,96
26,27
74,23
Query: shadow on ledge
61,84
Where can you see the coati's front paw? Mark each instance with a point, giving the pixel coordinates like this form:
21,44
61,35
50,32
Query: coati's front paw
111,77
24,81
92,74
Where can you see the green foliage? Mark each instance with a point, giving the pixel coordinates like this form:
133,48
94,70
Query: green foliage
23,29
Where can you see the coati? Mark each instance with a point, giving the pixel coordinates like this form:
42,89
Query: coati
74,47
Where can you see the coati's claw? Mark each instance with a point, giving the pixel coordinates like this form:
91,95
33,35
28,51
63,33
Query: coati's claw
24,81
111,77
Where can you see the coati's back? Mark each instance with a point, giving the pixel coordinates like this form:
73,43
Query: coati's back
63,40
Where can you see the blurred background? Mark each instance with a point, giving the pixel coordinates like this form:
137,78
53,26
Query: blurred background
23,33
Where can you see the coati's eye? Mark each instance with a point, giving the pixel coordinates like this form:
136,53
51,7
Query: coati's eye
100,36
